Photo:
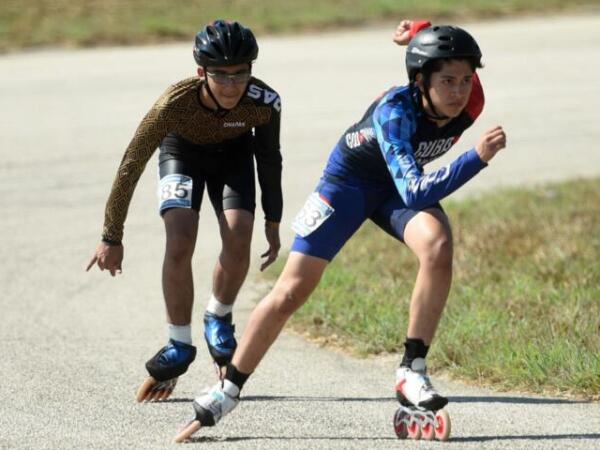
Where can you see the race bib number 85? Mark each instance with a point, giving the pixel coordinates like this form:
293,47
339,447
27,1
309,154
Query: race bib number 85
175,191
312,215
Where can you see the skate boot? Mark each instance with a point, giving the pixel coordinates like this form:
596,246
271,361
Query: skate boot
211,407
420,414
220,339
164,368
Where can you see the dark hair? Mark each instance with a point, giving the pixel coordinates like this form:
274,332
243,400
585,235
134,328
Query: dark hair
435,65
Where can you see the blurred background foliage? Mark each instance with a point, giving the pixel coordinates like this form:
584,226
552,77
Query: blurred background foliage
82,23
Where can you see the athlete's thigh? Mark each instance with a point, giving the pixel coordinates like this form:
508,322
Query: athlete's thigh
232,185
181,226
393,216
181,182
330,216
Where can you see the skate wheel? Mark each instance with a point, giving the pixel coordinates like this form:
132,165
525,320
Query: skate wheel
186,432
428,432
442,425
163,395
414,430
153,390
401,423
145,389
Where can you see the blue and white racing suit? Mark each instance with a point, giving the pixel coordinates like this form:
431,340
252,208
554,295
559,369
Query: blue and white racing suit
376,171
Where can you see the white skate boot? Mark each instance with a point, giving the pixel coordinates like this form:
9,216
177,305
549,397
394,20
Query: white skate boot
420,413
211,407
414,387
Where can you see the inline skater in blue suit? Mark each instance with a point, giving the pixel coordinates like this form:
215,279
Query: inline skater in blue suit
376,171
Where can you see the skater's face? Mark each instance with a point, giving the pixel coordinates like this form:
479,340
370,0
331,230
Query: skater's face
449,88
228,83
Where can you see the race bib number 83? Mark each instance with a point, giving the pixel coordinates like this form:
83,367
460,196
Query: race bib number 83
175,191
312,215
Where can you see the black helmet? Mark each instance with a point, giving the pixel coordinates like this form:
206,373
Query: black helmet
440,42
225,44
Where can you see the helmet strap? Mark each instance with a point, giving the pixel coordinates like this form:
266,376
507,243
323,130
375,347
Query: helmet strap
435,115
221,111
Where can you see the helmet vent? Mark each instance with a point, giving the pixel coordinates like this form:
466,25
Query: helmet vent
440,42
225,43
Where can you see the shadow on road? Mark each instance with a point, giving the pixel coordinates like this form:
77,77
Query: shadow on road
290,398
516,400
296,398
206,439
460,399
551,437
530,437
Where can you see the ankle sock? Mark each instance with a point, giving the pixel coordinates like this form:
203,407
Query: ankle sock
181,333
216,307
413,348
235,376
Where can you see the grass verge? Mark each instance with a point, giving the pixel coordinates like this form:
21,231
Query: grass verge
109,22
524,309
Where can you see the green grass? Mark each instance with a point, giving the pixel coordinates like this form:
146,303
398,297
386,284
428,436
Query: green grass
524,309
101,22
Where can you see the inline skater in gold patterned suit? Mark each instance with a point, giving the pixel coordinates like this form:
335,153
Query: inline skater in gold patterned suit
209,128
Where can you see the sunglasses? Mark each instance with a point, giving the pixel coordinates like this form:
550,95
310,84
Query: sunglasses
230,78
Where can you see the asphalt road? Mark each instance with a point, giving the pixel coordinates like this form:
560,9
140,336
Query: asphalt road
74,343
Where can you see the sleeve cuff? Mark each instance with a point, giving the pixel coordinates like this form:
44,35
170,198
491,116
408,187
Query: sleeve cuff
473,156
417,26
111,242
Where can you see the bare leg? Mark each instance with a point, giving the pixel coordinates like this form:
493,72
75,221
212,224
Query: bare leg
232,266
178,286
429,236
299,278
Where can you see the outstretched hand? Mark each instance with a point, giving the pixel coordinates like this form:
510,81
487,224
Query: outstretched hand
402,33
272,235
107,257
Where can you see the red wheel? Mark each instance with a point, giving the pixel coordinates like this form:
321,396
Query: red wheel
414,430
401,423
442,425
428,432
